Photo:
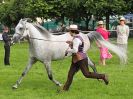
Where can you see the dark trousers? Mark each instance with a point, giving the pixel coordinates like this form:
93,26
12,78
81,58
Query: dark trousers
7,55
83,66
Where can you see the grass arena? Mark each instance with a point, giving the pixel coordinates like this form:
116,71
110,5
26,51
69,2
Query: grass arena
36,84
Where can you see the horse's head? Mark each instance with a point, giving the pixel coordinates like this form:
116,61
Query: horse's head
21,30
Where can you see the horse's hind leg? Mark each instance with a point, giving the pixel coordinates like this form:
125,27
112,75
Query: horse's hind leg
30,63
92,65
49,72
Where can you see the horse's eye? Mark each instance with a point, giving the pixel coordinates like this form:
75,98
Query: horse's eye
21,28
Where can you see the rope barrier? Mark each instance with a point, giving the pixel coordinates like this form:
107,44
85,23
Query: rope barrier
46,40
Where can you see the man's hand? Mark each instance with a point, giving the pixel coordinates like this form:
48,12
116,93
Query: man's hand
69,42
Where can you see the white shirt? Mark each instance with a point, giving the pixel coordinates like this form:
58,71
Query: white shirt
122,34
1,37
76,43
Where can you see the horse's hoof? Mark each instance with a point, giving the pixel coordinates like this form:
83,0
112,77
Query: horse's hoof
60,85
14,86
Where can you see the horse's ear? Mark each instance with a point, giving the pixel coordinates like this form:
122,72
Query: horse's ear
20,20
29,20
23,19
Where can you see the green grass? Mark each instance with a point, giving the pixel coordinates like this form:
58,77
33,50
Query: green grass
36,84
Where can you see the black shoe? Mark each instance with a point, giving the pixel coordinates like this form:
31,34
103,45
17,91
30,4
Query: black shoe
7,64
106,81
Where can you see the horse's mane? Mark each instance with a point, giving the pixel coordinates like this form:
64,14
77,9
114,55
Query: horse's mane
42,30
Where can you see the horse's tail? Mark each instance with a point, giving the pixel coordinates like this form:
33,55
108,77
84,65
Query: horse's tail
97,37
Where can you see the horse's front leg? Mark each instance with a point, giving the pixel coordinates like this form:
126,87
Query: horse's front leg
49,72
30,63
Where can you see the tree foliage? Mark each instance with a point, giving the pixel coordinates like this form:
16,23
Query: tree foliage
76,10
106,8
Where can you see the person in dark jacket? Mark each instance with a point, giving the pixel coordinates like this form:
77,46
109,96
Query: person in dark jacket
6,40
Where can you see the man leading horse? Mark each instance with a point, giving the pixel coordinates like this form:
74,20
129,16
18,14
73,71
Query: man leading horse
79,59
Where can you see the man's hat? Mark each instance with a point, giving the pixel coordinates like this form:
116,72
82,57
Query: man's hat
73,27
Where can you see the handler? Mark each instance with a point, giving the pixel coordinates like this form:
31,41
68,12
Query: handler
79,59
6,40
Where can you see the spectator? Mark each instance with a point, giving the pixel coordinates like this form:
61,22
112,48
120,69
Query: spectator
104,53
122,35
6,40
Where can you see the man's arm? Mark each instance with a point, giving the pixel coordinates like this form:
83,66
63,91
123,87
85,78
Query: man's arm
5,37
76,43
128,31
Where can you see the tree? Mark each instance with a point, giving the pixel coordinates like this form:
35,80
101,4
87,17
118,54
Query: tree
106,8
76,10
4,8
129,4
13,11
17,9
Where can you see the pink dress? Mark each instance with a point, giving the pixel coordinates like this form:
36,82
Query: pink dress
104,53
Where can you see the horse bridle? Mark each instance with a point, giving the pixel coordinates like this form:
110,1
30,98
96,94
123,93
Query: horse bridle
19,34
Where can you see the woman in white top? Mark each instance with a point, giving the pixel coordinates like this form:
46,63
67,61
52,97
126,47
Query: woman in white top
122,35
